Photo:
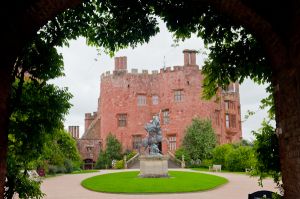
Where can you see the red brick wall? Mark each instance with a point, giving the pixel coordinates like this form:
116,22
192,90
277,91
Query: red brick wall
120,91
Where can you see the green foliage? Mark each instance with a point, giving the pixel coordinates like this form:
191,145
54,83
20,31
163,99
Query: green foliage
112,152
38,110
113,148
266,149
199,139
120,164
102,161
181,151
234,54
219,154
130,155
61,150
31,187
234,157
206,163
240,158
108,24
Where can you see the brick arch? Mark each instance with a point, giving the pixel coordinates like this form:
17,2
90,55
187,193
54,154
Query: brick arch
283,53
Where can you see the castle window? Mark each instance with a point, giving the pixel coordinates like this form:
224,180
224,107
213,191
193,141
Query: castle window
166,116
136,141
232,123
172,143
229,105
178,95
122,120
89,148
230,120
154,99
227,120
141,100
217,117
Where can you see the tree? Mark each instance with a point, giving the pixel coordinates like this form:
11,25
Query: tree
199,139
113,151
38,113
276,36
38,109
60,149
267,153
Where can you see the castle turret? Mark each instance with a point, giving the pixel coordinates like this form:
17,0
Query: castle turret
88,119
189,57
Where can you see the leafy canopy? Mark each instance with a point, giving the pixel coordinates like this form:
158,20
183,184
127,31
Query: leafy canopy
199,139
38,110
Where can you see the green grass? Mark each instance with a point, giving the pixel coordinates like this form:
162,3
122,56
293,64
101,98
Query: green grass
84,171
129,182
222,171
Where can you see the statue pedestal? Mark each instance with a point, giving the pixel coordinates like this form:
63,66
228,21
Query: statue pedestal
153,166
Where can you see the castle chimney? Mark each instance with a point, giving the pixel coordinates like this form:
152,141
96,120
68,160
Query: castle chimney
74,131
121,63
189,57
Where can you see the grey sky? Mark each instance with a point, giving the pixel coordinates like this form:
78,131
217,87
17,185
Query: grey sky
83,67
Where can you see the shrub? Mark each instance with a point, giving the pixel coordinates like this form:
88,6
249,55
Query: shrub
103,161
52,169
68,166
112,152
61,169
130,155
206,163
219,154
240,158
119,164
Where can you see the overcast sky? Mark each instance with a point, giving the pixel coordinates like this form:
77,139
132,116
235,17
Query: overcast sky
83,67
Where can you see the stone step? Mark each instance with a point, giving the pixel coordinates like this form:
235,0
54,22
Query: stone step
171,165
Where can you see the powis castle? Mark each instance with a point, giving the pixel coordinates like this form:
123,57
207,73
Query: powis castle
128,100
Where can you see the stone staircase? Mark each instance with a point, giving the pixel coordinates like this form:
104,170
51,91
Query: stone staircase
134,162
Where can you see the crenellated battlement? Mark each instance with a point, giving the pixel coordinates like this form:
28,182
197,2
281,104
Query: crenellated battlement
135,71
91,115
121,66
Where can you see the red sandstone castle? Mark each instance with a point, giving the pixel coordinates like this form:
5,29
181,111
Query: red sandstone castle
128,100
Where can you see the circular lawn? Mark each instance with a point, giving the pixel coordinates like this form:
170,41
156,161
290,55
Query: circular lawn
130,182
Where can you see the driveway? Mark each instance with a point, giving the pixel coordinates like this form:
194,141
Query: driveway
68,187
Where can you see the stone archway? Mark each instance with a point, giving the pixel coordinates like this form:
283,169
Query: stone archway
280,38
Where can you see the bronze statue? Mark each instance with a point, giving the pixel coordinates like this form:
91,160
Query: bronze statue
154,136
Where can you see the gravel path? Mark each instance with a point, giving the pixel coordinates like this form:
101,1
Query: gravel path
68,187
